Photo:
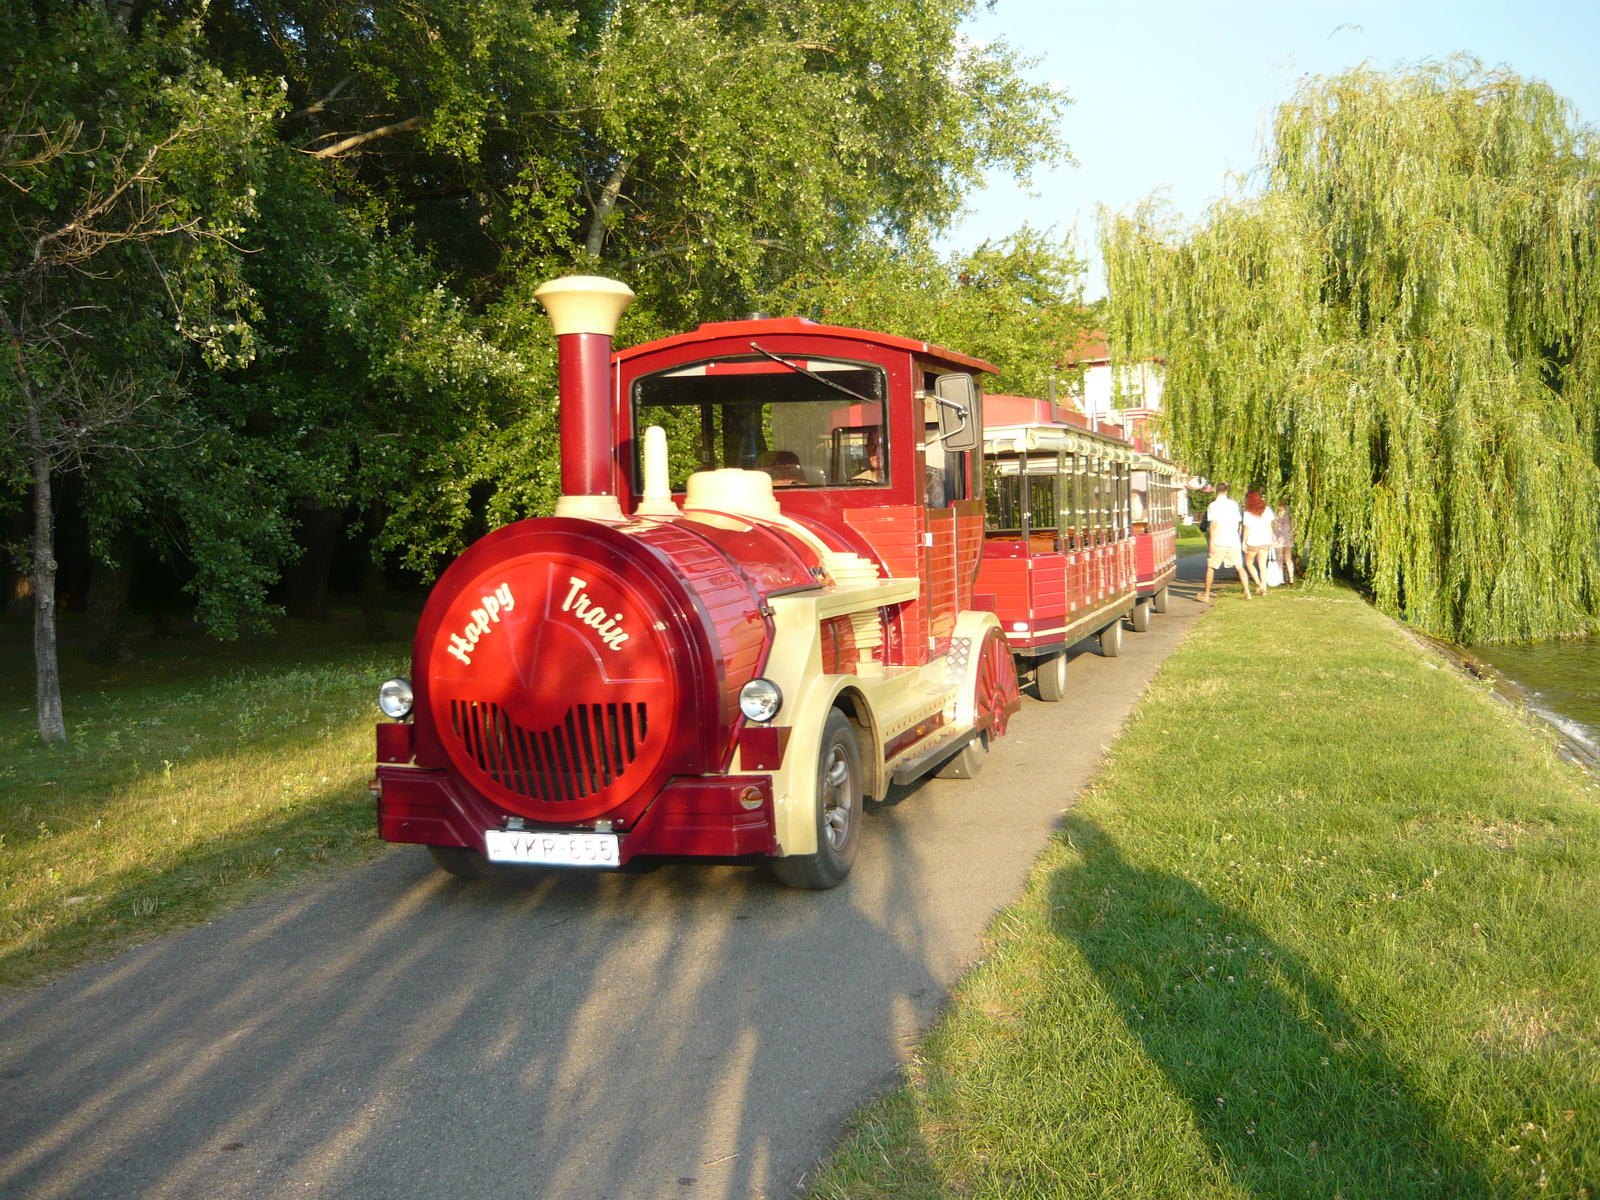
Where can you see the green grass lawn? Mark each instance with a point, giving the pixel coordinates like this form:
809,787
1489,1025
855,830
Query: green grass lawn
1327,924
200,776
1190,538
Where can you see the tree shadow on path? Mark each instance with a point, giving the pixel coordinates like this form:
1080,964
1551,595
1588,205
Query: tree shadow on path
1294,1095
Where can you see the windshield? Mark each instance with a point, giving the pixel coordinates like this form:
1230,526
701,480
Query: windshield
761,415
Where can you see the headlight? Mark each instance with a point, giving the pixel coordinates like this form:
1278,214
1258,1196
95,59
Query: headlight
394,698
760,700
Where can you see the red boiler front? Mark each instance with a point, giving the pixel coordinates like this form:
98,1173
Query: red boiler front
566,670
551,687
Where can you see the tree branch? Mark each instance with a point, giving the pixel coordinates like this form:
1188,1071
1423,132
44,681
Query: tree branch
320,105
361,139
81,226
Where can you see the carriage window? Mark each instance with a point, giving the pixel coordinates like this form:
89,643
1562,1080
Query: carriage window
1144,497
1009,507
761,415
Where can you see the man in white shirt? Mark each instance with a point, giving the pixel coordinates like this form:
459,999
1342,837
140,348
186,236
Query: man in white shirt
1226,549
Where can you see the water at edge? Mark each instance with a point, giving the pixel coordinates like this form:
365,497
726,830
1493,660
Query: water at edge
1562,678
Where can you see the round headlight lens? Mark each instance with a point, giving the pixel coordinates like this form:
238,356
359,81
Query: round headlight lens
760,700
394,698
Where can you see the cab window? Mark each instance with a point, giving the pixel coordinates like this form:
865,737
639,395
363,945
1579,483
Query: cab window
807,422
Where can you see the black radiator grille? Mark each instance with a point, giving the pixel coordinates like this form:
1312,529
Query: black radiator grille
590,749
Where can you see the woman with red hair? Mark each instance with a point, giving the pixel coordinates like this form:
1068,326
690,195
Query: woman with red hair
1257,537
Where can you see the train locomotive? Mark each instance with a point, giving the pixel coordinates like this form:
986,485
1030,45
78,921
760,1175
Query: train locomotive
752,610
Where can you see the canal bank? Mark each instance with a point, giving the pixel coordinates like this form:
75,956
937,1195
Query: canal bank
1324,923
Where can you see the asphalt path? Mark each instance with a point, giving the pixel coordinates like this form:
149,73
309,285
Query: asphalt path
391,1032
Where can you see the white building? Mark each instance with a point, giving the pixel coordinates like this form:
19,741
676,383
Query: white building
1098,399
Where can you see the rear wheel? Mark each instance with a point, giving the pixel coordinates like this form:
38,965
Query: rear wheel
462,861
839,797
1111,639
968,761
1141,617
1160,601
1051,674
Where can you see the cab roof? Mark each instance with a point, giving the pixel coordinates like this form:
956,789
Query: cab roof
714,330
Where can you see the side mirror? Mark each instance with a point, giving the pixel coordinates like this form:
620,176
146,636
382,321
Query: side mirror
960,422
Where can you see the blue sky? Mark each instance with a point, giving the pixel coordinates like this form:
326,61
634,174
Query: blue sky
1176,95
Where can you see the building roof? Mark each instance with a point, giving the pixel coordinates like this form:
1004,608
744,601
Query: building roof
1092,348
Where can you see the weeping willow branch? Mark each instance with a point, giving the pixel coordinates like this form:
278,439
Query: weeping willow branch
1400,336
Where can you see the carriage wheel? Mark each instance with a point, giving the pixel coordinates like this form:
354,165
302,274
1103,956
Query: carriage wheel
997,695
1052,676
1111,639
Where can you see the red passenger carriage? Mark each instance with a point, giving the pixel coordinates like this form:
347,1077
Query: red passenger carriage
1061,545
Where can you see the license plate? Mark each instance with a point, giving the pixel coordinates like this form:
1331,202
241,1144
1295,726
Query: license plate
559,849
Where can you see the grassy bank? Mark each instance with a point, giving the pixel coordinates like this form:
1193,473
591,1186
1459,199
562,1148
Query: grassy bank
1327,925
197,777
1190,538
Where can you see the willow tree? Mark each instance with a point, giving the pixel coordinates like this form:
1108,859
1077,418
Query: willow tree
1398,333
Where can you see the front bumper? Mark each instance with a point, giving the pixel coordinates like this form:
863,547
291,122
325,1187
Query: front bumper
700,815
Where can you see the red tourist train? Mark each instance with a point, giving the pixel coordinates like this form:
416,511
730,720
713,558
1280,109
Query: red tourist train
1079,535
767,594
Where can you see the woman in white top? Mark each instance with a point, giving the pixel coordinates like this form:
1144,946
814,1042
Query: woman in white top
1257,537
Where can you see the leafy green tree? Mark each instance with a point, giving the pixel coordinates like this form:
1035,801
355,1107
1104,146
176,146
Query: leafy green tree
705,152
1399,335
123,174
1016,303
711,137
367,366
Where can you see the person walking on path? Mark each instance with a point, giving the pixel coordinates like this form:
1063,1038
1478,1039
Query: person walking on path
1224,549
1283,541
1257,537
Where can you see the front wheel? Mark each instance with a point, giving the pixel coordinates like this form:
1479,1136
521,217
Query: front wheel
1160,601
1111,639
462,861
1141,617
1051,674
839,797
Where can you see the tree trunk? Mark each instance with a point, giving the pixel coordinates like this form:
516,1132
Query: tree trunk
108,604
46,659
306,596
372,587
608,200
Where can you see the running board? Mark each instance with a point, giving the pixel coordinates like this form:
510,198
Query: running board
933,757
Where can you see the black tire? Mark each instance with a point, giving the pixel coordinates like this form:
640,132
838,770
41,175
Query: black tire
1141,617
1159,601
967,762
1111,639
1051,676
462,861
839,812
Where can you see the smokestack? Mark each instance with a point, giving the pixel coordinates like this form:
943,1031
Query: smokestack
584,310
